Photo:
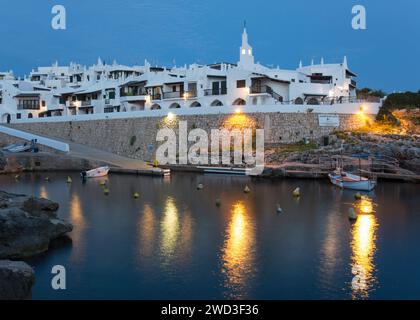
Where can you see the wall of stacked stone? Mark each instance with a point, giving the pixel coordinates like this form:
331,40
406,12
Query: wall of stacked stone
136,137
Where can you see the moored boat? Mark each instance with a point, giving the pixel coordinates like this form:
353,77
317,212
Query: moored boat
346,180
96,173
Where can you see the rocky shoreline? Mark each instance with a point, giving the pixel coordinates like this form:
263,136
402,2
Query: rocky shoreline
388,154
27,226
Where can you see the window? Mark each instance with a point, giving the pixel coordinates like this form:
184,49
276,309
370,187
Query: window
18,116
243,51
240,84
173,88
43,103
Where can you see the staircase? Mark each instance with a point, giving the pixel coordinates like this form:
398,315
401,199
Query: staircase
268,90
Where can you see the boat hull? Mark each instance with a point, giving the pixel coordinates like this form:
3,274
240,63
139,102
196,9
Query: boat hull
97,173
362,185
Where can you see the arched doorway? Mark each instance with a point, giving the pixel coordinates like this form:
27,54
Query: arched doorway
174,106
195,105
30,116
216,103
298,101
156,107
6,118
239,102
313,101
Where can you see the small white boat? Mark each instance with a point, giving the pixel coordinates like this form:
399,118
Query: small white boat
96,173
347,180
20,148
10,146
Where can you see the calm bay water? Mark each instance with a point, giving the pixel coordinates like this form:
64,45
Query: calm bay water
175,243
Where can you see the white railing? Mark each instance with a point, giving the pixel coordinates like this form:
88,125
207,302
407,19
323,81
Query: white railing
342,108
54,144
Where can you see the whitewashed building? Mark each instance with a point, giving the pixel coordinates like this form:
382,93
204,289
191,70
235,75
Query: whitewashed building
110,88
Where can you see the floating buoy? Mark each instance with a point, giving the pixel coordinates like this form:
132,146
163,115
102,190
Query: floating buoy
200,186
17,177
136,195
296,192
102,183
358,196
218,202
106,191
69,180
247,189
47,178
352,214
279,209
155,163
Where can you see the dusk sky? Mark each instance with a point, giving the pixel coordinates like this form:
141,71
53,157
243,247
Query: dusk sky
385,56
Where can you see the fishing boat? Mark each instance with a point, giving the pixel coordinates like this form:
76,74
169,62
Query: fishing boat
96,173
346,180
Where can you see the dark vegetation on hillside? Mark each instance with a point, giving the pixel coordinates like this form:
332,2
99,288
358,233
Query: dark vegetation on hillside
394,101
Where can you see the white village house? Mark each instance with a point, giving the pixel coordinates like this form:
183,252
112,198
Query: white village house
105,89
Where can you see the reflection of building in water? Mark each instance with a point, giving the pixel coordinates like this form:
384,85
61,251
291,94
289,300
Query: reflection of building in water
43,192
169,228
176,233
146,227
363,250
78,220
238,253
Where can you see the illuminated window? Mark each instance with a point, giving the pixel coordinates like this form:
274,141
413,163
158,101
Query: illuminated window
249,51
243,51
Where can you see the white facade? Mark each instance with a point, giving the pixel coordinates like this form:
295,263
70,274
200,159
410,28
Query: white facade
112,88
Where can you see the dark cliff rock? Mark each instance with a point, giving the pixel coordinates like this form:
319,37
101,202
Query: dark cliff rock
16,280
27,225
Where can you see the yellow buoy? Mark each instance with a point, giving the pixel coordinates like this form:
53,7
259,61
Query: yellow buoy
69,180
358,196
155,163
106,191
218,202
136,195
296,192
47,178
102,183
247,189
17,176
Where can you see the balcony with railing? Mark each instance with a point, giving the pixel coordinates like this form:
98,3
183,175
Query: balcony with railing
179,95
215,92
134,92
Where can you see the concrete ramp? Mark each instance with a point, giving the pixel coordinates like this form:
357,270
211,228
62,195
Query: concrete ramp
48,142
118,163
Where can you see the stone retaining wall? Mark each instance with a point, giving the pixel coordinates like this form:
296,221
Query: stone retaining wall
136,137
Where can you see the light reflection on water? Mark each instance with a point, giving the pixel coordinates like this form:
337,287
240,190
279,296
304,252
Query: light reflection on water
77,218
363,247
238,253
147,225
170,243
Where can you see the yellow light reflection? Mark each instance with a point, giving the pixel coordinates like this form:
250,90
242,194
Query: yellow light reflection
147,231
365,205
43,192
78,220
169,229
238,253
363,249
